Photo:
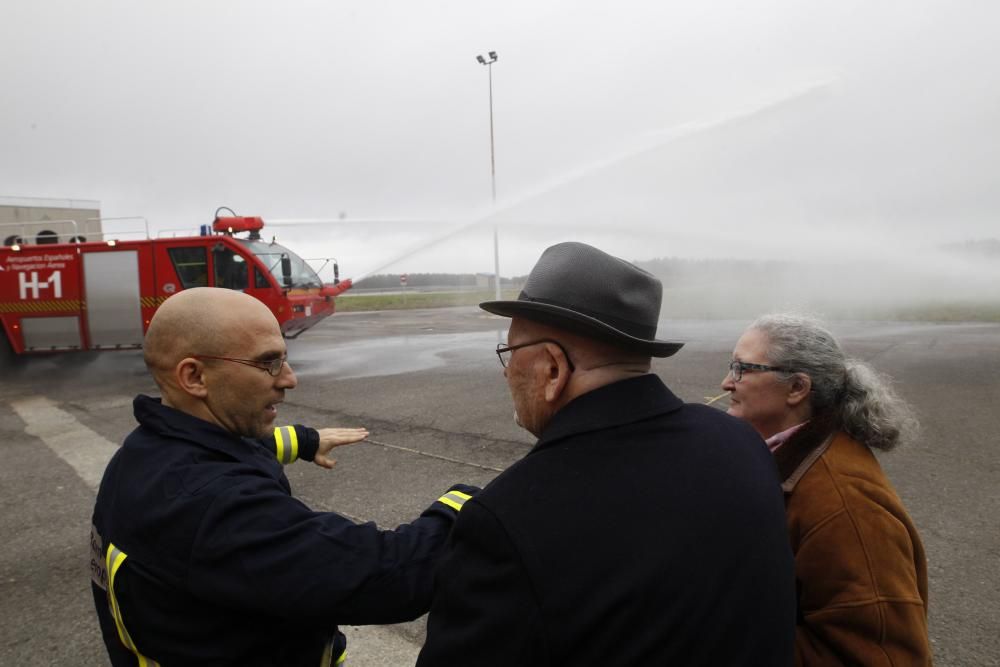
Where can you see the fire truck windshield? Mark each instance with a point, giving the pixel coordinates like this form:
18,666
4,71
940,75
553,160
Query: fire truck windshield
271,254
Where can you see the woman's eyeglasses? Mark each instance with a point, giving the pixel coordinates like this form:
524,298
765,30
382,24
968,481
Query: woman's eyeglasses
737,368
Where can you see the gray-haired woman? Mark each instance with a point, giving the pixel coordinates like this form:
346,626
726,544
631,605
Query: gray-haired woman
859,564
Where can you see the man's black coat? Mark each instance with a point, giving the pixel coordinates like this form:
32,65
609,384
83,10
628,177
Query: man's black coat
638,531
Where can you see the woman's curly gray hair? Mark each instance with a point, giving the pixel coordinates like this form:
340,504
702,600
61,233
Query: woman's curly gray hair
861,401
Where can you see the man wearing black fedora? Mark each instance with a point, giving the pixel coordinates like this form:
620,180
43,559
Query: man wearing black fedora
639,530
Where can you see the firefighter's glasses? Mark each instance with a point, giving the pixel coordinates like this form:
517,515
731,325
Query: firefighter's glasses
272,366
737,368
504,351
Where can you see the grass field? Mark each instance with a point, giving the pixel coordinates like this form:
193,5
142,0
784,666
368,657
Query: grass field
354,302
679,304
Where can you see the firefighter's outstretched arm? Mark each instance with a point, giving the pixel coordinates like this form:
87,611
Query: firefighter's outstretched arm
336,437
262,550
290,443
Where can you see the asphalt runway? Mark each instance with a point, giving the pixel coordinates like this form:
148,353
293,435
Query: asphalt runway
429,387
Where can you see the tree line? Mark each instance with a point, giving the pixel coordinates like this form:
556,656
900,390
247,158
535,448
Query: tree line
391,280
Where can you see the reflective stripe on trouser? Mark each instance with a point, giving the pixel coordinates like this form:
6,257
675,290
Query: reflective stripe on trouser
454,499
114,559
286,442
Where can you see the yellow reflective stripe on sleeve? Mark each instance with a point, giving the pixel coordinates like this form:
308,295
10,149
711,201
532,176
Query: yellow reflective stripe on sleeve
342,658
286,444
293,438
114,559
450,503
279,445
454,499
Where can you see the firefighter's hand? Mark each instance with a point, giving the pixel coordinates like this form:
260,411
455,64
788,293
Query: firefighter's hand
335,437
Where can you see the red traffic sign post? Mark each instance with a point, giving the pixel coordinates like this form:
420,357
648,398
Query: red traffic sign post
402,279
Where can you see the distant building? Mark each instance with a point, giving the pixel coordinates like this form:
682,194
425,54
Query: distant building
31,221
485,280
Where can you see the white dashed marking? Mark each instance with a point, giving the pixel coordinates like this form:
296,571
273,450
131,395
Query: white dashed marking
83,449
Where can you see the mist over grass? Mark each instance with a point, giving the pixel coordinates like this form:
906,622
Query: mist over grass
959,282
955,283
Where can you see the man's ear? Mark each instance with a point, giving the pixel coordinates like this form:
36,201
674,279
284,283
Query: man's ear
798,389
557,372
190,377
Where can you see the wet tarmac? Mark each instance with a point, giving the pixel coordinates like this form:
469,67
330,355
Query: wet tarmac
428,385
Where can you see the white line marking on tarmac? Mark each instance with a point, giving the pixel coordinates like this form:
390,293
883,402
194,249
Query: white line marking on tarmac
372,441
83,449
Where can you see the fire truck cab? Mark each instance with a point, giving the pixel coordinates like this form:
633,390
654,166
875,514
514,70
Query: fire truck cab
99,295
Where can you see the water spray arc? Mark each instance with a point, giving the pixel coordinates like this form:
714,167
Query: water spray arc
661,139
668,136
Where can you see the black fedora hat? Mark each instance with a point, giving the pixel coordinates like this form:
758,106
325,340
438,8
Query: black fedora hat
586,291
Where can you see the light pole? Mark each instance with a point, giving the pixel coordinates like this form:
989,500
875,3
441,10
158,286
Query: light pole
493,173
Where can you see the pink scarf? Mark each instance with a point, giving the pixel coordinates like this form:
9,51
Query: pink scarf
778,439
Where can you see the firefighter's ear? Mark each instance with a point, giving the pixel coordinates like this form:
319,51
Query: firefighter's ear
190,376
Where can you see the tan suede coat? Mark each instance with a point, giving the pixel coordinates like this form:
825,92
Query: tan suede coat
859,564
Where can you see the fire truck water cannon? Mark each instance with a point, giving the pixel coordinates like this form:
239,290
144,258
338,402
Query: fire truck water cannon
337,289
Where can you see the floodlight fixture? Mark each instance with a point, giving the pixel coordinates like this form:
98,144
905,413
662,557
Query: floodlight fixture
482,61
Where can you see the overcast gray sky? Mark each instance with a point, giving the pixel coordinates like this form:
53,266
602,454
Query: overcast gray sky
755,129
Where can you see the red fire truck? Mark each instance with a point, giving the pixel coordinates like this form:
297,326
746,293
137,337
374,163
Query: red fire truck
98,295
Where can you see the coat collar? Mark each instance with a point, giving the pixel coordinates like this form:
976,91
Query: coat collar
615,404
798,454
172,423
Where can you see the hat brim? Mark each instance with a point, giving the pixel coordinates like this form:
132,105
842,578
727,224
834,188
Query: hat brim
579,323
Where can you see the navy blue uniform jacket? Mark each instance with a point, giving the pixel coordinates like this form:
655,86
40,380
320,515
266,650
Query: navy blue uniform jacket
224,567
638,531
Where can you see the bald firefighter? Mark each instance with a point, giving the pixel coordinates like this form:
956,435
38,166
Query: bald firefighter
201,554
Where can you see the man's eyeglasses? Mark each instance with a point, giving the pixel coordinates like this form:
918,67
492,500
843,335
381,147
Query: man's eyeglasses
504,351
737,368
272,366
